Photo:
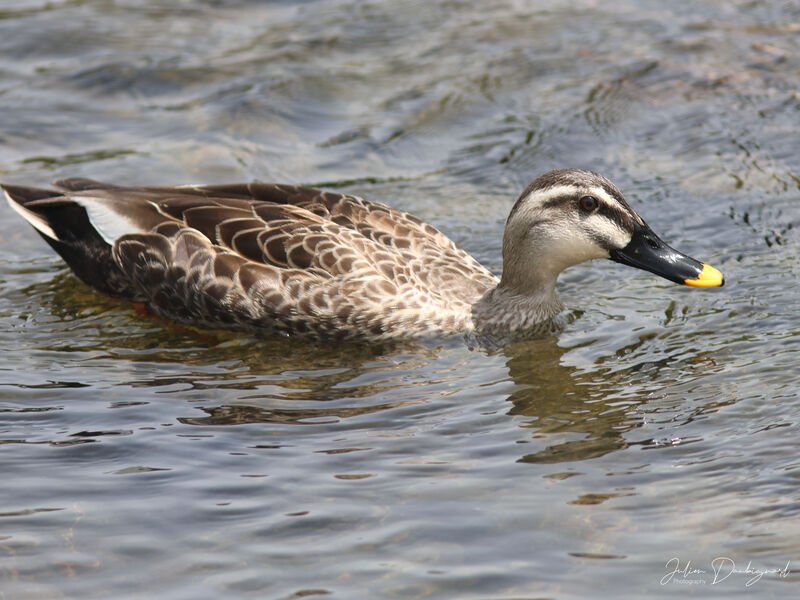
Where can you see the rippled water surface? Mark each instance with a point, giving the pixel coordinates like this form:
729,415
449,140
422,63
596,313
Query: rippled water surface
651,441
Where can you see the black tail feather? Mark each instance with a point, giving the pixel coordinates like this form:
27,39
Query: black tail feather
74,238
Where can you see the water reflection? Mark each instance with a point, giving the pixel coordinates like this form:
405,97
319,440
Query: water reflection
563,400
447,113
240,415
234,378
237,378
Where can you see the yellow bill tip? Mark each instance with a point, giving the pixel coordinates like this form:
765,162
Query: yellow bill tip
708,277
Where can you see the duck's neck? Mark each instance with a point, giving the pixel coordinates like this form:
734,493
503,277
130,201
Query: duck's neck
507,309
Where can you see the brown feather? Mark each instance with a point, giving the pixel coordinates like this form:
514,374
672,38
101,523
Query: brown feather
281,258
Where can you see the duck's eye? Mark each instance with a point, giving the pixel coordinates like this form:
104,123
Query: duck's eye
588,203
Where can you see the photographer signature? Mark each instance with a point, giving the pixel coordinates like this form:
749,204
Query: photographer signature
722,568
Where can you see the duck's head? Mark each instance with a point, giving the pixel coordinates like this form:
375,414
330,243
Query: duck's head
568,216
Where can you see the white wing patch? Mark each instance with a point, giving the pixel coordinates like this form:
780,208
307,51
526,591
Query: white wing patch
38,222
109,223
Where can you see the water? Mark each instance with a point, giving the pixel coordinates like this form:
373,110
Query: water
655,434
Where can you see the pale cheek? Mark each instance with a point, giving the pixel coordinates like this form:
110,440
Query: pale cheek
565,252
616,237
621,240
587,250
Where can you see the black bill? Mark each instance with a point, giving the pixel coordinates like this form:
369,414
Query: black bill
646,251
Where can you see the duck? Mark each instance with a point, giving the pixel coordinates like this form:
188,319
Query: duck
300,261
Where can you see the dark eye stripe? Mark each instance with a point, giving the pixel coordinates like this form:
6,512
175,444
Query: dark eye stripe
612,213
621,218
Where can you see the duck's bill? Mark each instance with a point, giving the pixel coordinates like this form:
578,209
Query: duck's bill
646,251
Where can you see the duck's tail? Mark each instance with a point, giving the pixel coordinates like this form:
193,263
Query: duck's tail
66,227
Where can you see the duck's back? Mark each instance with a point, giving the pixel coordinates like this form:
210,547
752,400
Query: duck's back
260,256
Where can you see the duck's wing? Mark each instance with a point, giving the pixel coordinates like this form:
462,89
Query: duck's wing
436,260
298,257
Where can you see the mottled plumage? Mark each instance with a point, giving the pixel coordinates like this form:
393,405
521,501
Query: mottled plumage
306,262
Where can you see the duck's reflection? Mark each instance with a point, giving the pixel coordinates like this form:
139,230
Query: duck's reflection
562,400
235,378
